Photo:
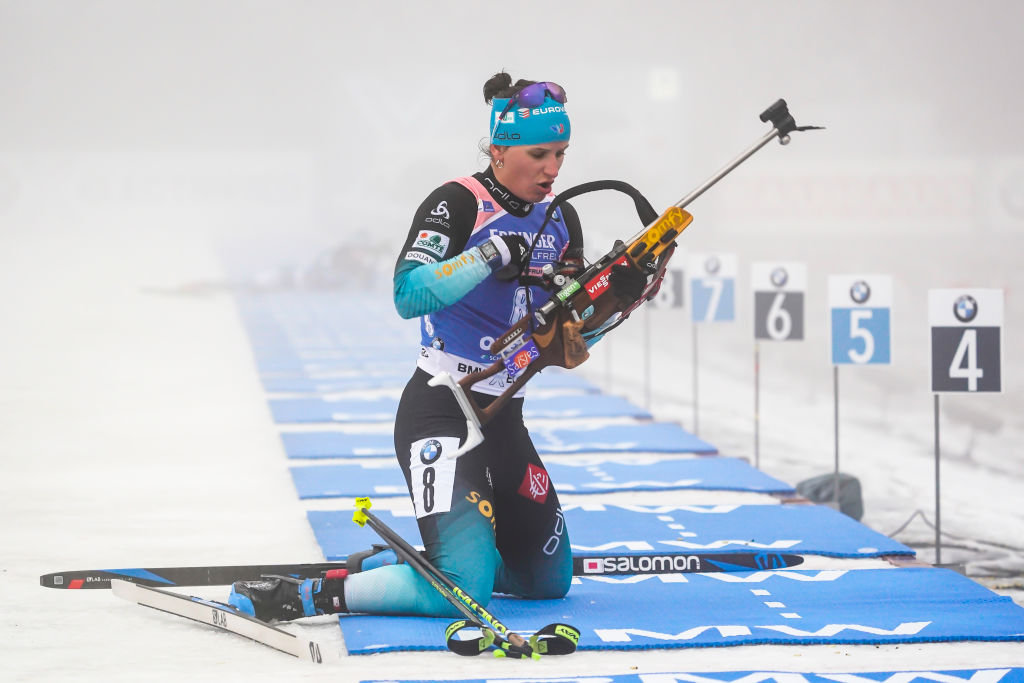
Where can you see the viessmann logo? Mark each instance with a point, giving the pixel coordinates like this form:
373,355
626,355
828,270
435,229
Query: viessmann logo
600,283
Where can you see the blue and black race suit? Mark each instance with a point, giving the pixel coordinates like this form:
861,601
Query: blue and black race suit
490,519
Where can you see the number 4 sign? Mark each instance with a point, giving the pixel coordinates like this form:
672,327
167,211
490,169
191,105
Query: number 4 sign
860,315
966,330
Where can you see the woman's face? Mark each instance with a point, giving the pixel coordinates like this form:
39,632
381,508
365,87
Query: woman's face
529,171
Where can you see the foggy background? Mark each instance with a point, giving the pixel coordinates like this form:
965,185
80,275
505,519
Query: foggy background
149,146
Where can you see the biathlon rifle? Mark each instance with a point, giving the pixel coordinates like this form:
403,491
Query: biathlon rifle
586,302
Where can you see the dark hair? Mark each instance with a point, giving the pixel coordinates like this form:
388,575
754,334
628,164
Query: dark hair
500,85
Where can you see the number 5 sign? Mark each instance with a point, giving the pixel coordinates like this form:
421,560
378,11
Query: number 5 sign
860,315
966,329
778,300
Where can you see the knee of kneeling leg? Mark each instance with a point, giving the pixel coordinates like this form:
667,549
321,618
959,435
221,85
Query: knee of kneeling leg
555,591
551,588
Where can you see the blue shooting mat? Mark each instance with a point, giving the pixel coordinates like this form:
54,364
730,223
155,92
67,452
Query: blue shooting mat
988,675
336,444
592,475
360,379
384,408
385,359
601,530
647,437
790,607
337,382
650,437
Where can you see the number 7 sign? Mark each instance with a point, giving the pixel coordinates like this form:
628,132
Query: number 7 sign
966,339
712,280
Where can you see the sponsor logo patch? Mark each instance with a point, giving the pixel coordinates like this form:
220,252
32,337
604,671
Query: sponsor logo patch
521,359
536,484
418,256
431,242
453,265
599,284
441,210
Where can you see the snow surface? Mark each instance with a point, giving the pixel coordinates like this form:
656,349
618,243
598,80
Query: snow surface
144,141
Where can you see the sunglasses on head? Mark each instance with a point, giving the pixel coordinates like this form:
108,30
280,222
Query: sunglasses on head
532,96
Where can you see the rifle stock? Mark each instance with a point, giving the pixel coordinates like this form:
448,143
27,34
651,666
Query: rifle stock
557,344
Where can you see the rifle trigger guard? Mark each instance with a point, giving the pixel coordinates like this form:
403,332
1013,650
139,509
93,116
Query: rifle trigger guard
474,435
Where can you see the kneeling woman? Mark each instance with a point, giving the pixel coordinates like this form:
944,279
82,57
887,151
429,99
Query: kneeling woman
470,267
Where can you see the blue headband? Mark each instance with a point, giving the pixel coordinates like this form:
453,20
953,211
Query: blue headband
528,126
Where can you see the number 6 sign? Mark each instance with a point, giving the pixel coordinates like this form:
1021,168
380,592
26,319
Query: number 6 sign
860,316
966,348
778,300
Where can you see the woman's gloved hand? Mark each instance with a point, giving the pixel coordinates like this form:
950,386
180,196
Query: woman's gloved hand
506,255
628,282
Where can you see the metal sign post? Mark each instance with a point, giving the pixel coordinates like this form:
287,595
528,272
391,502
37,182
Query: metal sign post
779,290
860,319
670,295
966,355
712,285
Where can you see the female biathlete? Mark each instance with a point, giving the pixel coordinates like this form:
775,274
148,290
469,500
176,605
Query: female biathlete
471,266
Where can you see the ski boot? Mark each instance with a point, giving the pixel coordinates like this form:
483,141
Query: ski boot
379,555
283,598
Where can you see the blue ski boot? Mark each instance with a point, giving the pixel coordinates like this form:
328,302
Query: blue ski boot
377,556
283,598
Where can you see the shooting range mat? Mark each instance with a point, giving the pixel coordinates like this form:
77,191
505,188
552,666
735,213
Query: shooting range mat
990,675
383,409
867,606
602,530
383,477
645,437
357,380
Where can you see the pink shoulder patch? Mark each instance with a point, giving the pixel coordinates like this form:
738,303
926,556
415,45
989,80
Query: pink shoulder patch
486,208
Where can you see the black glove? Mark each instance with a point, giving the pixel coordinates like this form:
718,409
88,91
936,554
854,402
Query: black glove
628,282
506,255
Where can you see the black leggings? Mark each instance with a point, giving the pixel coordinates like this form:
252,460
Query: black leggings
490,519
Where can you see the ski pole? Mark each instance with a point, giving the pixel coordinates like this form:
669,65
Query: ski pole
554,638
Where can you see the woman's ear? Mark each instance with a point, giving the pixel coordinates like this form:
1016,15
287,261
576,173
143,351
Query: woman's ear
497,154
